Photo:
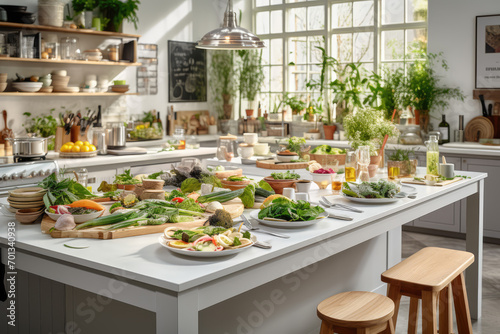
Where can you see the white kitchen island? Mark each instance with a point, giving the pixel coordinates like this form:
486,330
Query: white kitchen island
258,290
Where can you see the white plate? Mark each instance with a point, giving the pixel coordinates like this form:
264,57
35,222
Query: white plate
164,242
405,188
78,218
255,215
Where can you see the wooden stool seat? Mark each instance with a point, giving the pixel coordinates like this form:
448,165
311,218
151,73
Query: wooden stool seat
432,275
356,312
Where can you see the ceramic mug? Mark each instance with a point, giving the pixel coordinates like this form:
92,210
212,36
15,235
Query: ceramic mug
250,138
303,186
245,152
261,149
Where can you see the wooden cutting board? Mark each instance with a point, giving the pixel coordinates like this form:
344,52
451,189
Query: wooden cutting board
273,164
438,184
478,128
234,207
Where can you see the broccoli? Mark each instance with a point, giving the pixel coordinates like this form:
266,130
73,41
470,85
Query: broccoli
221,218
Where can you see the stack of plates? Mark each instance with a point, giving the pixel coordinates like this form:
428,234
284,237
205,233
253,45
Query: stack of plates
26,198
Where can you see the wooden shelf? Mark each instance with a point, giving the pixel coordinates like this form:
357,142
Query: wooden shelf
489,94
66,30
67,61
22,94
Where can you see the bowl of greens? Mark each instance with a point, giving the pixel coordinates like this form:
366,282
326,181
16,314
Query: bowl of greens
280,180
378,192
325,155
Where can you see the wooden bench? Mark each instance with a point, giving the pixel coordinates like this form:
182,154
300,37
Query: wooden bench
430,275
356,312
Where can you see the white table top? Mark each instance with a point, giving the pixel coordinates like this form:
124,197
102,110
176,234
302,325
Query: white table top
142,258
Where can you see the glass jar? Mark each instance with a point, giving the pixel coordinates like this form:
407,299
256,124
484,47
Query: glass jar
179,138
192,143
363,162
350,166
432,156
50,50
70,48
225,147
113,52
83,176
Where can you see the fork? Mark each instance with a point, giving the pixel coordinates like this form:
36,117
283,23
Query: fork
249,226
347,207
331,215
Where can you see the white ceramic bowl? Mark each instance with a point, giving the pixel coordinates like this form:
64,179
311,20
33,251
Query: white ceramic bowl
61,73
322,180
287,158
30,87
78,218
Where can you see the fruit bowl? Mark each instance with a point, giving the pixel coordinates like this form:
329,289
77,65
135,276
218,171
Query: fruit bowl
322,180
28,87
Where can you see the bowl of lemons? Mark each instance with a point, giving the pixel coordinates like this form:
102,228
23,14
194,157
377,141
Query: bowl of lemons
78,149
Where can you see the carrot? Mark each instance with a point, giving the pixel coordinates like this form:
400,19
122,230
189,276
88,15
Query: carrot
86,203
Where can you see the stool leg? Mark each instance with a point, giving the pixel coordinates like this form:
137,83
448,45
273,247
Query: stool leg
394,293
413,316
464,324
390,327
429,310
325,328
445,311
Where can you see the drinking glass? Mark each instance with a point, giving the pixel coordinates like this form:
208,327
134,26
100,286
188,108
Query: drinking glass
350,166
337,182
364,161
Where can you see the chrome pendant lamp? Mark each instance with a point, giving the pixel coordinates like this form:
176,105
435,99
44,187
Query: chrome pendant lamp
230,36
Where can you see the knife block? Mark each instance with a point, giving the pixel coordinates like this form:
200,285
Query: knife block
496,125
61,138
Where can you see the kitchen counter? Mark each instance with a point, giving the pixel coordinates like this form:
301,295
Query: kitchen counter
282,286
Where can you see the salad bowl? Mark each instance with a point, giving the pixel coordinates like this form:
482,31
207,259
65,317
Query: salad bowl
286,224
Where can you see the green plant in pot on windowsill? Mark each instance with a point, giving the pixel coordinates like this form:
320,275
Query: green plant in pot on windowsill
402,164
251,77
295,104
223,82
425,94
277,113
368,127
385,93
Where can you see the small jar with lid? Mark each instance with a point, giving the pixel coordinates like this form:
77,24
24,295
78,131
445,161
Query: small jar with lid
179,138
113,52
225,147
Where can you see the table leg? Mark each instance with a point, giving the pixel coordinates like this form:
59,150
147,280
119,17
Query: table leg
177,313
474,244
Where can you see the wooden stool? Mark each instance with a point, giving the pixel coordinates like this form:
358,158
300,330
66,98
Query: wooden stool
430,275
356,312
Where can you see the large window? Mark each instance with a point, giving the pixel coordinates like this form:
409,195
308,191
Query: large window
375,33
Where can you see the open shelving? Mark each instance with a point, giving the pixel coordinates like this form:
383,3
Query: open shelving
67,61
22,94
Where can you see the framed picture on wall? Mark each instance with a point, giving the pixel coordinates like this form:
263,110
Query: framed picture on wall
187,72
488,51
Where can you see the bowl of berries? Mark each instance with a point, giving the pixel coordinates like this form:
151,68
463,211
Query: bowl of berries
322,177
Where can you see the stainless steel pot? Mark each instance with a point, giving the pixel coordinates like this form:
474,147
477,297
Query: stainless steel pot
29,146
117,138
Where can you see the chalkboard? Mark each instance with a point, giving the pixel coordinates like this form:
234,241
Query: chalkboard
187,79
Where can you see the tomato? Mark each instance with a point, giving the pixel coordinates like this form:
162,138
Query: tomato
178,199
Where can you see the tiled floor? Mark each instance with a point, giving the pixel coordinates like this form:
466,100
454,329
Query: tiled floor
490,321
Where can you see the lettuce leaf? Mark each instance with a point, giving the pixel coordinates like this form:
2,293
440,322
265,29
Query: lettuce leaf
248,196
264,185
190,184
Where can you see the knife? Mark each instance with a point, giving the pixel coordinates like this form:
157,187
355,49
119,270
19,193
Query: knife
334,216
490,109
481,97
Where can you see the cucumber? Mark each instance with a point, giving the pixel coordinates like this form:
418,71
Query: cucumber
220,196
263,192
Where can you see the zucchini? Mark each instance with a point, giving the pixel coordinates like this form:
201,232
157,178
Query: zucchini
220,196
263,192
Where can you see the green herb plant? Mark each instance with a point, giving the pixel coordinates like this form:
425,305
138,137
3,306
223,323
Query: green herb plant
295,144
223,79
126,178
117,11
43,126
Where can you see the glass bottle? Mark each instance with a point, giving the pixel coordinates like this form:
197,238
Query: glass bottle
363,162
432,156
180,138
83,176
444,128
350,166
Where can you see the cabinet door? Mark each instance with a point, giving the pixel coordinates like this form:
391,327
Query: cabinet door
491,191
447,218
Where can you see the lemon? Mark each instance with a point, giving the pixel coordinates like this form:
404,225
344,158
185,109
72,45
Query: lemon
92,148
75,149
70,143
79,143
269,199
86,143
64,148
85,149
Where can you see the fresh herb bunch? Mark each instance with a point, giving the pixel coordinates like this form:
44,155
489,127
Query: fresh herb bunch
126,178
401,155
62,192
43,125
295,144
285,176
286,209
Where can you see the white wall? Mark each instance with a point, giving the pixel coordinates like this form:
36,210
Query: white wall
159,21
452,25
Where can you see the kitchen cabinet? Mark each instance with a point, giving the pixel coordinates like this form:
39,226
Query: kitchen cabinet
491,191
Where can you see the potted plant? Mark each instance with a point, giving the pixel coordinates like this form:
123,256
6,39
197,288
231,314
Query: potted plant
402,164
423,89
385,92
295,104
277,113
251,76
126,180
117,11
83,12
368,127
223,81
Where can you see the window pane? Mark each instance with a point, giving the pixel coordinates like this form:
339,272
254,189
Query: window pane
276,51
276,21
342,15
265,85
276,2
363,13
276,78
363,46
314,52
296,80
265,52
262,22
297,48
261,3
315,17
416,39
342,47
392,11
290,1
393,44
416,10
296,18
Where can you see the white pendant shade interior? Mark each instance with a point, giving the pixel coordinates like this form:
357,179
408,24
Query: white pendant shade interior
230,36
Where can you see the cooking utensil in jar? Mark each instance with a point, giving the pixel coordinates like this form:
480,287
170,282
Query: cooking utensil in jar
6,132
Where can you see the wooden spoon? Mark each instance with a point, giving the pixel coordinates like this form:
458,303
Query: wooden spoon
6,132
